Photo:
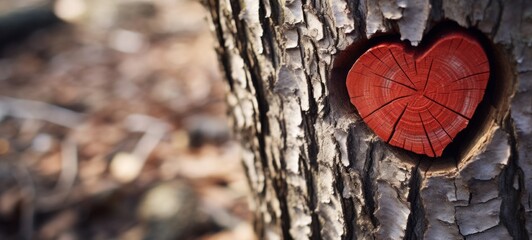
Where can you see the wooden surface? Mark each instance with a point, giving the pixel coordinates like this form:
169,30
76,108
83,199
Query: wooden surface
420,101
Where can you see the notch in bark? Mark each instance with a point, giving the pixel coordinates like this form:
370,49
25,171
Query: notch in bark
437,100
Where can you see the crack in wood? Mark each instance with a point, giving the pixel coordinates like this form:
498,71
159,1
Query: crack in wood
415,66
428,76
378,58
426,134
397,122
406,62
389,79
468,76
450,109
439,123
399,65
388,103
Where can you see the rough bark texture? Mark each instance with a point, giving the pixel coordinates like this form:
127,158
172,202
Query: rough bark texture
318,172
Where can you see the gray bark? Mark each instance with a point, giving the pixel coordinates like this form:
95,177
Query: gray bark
316,171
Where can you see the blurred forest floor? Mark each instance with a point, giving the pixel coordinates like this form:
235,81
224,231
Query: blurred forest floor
113,126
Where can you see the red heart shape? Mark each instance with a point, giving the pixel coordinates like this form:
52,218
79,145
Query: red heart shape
420,101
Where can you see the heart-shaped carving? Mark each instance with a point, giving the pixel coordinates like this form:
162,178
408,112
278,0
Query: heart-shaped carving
420,101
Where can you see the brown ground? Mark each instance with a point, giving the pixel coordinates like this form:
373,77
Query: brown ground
114,127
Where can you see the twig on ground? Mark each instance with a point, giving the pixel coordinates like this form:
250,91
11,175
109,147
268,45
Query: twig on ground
127,166
29,109
149,140
67,177
69,166
27,186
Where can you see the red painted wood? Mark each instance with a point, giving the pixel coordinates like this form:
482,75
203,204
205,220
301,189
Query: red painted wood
419,101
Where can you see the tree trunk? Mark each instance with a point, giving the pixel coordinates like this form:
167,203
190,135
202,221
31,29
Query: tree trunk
317,171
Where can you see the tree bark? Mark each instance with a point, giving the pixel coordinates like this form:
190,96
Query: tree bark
315,169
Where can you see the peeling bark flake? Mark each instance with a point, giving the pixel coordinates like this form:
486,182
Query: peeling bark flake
414,20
